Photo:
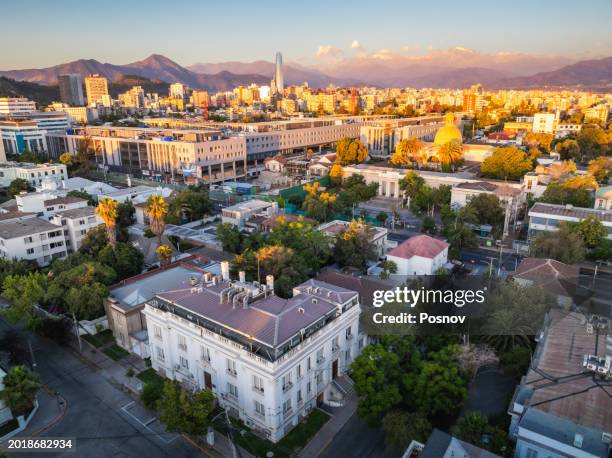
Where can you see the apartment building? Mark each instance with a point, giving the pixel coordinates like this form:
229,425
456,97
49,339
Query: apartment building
32,238
34,174
77,115
16,106
46,203
268,360
240,213
544,123
208,155
545,217
76,223
96,87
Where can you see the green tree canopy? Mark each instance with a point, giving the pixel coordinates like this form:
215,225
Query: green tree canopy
23,292
185,412
21,386
350,151
125,259
564,245
506,163
17,186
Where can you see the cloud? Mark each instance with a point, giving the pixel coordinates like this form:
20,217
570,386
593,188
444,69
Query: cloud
355,45
328,50
382,54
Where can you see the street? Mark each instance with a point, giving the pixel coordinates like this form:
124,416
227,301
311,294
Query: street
94,414
357,440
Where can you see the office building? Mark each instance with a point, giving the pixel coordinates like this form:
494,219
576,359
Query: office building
278,74
96,88
545,217
71,89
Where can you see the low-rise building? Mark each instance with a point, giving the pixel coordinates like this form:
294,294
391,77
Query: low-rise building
419,255
544,217
561,407
553,276
34,174
46,204
32,238
603,198
240,213
76,223
268,360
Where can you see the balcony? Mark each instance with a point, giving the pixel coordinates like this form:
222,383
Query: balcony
287,386
204,361
232,372
335,349
258,390
182,347
320,360
350,336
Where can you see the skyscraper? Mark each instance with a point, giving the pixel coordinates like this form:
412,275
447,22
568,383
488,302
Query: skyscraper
278,74
96,87
71,89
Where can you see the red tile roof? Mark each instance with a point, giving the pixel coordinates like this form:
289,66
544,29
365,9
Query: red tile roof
420,245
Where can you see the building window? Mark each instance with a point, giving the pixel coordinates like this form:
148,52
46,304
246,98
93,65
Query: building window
299,397
319,378
349,333
260,409
258,384
30,251
336,344
531,453
320,357
231,367
308,388
204,354
160,353
232,390
157,331
287,383
182,343
308,364
299,371
184,362
287,406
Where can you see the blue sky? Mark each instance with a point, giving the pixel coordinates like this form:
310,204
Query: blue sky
39,33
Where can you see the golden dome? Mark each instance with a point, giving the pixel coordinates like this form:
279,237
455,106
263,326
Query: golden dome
449,132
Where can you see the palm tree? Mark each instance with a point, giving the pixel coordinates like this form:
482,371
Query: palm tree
164,254
157,209
450,153
108,210
20,388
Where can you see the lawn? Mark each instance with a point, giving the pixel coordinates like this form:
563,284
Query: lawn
100,339
115,352
292,442
150,376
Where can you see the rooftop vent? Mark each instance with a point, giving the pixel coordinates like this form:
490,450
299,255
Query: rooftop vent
193,281
301,310
578,438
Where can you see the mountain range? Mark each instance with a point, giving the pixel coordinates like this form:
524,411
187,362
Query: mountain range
458,68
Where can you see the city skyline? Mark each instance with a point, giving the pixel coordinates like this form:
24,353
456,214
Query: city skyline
564,29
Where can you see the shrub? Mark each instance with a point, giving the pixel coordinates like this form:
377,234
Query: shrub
151,393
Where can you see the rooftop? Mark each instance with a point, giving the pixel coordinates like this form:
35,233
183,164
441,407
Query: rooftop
25,227
422,245
569,211
64,200
547,274
268,320
561,386
77,212
478,186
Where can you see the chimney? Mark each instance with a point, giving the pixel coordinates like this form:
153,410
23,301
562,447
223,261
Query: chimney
270,282
225,270
242,276
193,281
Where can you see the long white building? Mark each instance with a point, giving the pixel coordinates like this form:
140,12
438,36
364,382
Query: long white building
268,360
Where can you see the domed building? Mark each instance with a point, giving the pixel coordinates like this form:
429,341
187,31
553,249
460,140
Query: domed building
450,132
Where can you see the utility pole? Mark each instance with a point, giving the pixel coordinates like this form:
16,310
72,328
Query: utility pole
499,264
32,354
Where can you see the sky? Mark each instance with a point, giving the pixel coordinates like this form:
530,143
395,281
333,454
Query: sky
41,33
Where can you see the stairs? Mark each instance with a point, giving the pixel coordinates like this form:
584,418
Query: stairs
345,385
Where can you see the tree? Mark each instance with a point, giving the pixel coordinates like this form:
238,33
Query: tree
563,169
185,412
16,267
539,140
562,245
125,214
230,237
568,150
335,173
488,210
17,186
411,183
125,259
281,262
355,190
561,194
506,163
389,267
600,168
82,195
23,292
94,241
31,157
591,230
474,428
21,386
107,209
354,247
407,150
402,427
157,209
450,154
67,159
382,217
457,229
190,204
428,225
593,142
164,254
350,151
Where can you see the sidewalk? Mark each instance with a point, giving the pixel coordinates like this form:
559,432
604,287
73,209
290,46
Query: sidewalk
322,439
51,410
